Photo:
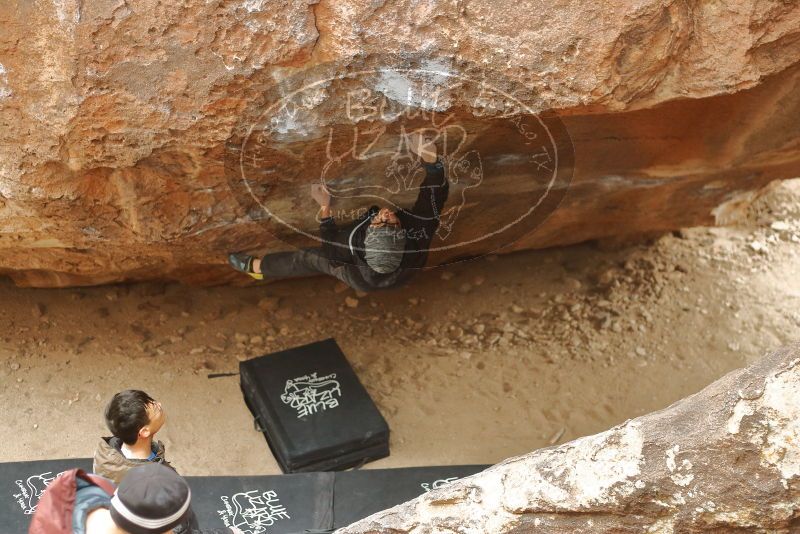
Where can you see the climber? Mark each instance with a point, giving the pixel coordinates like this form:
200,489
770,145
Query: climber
379,250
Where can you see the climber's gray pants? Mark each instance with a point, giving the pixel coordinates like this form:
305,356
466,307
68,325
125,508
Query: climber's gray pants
303,262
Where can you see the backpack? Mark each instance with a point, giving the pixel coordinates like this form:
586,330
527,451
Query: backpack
54,511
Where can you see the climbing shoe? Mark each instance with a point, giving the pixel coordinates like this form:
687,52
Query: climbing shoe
243,263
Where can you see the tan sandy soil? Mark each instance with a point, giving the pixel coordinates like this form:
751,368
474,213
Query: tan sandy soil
472,363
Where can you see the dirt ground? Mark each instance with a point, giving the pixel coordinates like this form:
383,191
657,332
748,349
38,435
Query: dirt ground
472,363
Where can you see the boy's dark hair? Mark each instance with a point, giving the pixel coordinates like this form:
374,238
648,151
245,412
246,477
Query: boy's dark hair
126,414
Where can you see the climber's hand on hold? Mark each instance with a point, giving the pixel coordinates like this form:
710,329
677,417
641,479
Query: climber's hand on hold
322,197
422,143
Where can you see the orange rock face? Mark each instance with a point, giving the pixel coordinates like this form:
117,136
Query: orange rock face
120,122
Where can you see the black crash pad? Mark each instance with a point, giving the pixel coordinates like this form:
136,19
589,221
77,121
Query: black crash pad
358,494
22,484
315,413
279,504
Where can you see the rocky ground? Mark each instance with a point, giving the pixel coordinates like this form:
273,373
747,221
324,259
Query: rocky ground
472,363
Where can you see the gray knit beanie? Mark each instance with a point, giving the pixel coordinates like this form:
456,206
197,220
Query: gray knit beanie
151,499
383,248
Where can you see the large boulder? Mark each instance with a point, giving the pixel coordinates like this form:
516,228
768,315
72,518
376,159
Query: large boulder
726,459
116,118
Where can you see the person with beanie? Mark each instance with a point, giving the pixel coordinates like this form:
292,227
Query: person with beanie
380,250
151,499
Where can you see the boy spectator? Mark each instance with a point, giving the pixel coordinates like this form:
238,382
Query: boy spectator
133,417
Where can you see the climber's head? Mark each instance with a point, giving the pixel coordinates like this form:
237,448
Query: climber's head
385,217
385,242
